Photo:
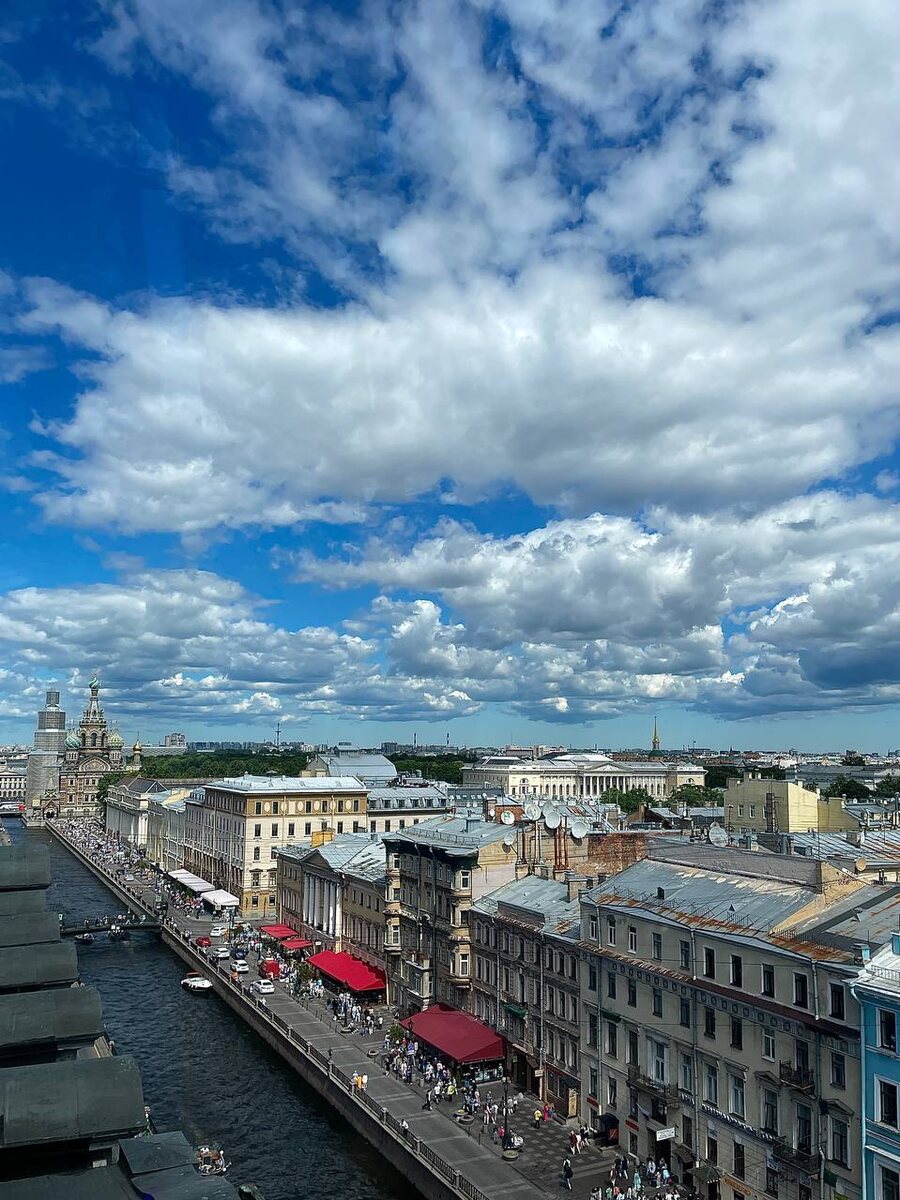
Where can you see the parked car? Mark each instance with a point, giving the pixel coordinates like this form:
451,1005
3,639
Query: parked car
241,966
221,952
218,931
202,941
262,987
269,969
238,953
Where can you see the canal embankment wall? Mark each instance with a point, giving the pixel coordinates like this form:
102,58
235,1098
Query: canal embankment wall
426,1170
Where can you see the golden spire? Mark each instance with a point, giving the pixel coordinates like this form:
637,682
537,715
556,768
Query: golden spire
655,737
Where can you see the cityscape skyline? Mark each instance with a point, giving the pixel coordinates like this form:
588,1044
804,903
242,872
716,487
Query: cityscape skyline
453,379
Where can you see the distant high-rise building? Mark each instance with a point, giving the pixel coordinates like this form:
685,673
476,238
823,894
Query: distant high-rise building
42,772
175,739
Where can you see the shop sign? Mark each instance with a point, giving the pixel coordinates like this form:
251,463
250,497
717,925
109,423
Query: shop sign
665,1135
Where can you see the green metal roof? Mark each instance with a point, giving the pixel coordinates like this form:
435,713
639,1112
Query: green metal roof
29,929
24,867
96,1099
65,1016
49,965
15,904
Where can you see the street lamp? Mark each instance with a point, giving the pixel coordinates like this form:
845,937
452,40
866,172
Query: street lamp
507,1132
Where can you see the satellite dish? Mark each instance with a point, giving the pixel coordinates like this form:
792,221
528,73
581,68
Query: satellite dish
552,819
509,838
507,817
579,829
532,812
717,836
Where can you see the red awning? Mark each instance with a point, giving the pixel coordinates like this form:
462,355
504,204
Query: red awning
456,1035
278,931
295,943
357,976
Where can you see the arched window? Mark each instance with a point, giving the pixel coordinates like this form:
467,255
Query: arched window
93,739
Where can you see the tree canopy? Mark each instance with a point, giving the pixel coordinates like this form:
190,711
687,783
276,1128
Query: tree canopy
888,786
851,788
445,767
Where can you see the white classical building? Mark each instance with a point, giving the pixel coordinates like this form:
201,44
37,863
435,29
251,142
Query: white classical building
129,806
579,775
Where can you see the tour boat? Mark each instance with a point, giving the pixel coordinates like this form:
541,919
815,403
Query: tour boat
84,939
195,982
118,934
211,1161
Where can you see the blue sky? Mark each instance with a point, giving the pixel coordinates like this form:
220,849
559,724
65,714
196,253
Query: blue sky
513,370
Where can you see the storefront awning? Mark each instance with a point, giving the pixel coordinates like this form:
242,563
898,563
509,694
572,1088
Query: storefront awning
191,881
344,968
220,899
295,943
456,1035
278,931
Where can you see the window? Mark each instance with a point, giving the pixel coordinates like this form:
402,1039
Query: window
632,993
768,980
801,991
737,971
258,808
593,1082
887,1029
611,985
709,1022
658,1056
687,1073
838,1070
632,939
307,828
465,879
711,1085
340,826
656,946
592,1029
772,1182
736,1096
804,1128
836,1006
256,853
737,1033
685,1013
739,1168
890,1184
290,828
687,1132
463,964
611,931
684,952
709,963
840,1141
632,1047
712,1147
612,1091
275,807
612,1041
768,1046
592,979
592,933
887,1103
257,830
769,1110
657,1003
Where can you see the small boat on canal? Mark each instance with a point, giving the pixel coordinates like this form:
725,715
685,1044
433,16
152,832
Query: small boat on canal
84,939
118,934
211,1161
195,982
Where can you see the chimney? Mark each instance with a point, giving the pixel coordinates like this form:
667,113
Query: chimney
575,884
863,951
660,893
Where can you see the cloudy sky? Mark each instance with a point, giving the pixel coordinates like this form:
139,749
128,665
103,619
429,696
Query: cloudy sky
493,368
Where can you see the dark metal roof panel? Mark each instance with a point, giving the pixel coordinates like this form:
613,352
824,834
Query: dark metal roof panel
23,867
62,1015
32,966
71,1101
157,1153
14,904
29,929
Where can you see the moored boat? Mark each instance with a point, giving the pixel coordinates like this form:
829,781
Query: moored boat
84,939
211,1160
195,982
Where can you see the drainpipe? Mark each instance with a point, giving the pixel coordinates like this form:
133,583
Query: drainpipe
821,1119
695,1006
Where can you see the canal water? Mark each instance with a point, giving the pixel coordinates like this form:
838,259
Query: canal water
203,1070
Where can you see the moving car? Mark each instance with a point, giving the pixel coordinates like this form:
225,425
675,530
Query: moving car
218,931
262,987
202,941
221,952
241,966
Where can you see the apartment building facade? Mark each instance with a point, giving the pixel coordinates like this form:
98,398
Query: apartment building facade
436,870
724,1049
877,990
525,982
234,828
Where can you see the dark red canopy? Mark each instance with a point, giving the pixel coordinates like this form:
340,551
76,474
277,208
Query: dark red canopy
456,1035
278,931
295,943
357,976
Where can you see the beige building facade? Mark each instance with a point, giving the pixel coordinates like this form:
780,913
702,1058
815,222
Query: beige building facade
580,775
235,827
760,805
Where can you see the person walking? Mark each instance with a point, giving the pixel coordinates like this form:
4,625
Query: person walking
427,1104
567,1173
538,1117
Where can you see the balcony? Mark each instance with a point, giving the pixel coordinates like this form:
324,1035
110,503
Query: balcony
790,1156
665,1091
800,1078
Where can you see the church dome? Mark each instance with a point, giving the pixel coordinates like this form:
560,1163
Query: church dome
115,740
73,741
137,745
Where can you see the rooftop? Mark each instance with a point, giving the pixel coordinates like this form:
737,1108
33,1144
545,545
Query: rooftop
458,835
252,784
60,1016
533,901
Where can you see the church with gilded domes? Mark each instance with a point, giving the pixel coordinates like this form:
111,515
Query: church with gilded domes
92,751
